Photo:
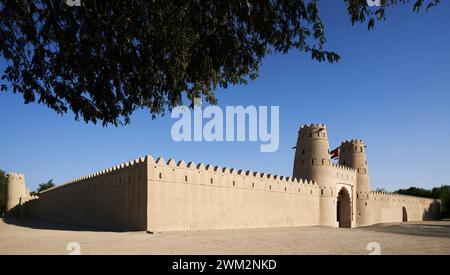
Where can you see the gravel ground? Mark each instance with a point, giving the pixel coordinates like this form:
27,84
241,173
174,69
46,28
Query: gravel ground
31,237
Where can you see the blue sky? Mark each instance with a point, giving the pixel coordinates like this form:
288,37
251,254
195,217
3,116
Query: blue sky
391,89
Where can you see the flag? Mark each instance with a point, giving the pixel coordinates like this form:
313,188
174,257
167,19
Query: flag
335,153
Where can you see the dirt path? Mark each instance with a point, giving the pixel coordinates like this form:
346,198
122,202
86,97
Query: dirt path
30,237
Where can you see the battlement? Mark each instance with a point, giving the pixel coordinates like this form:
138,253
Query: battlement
313,125
110,170
344,168
352,146
181,164
16,175
313,131
353,141
378,195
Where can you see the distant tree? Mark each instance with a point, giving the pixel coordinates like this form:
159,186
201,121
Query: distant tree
44,186
106,59
381,190
2,192
415,191
443,193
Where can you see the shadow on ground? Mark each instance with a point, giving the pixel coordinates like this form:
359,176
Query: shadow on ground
435,229
44,225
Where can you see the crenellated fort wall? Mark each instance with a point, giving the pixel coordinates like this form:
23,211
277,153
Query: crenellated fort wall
388,207
196,196
114,198
155,195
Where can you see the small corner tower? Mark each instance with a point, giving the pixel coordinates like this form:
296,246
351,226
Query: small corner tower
353,154
16,191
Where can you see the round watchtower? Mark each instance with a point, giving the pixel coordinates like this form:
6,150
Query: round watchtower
312,155
312,161
16,191
353,154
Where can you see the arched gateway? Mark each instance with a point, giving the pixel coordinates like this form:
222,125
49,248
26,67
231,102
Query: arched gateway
344,209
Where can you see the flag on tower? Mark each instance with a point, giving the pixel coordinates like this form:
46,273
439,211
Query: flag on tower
335,153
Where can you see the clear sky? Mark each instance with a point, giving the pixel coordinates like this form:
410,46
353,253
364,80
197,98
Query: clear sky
391,89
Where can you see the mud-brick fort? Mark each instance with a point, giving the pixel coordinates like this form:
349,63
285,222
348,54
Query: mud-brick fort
155,195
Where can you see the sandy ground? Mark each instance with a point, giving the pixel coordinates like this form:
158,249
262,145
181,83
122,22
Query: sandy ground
31,237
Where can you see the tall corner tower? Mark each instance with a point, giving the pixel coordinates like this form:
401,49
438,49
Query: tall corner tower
353,154
312,155
16,191
312,161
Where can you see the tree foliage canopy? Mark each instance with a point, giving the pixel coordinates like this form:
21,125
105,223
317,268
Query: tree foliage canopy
44,186
105,59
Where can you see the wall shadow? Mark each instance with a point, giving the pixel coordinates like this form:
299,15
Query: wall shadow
439,229
433,212
46,225
20,216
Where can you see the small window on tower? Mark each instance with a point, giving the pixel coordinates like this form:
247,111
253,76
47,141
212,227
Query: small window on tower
303,151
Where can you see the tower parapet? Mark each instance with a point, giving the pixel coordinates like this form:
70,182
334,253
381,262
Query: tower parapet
312,154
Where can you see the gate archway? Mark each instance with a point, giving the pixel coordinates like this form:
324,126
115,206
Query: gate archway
404,214
344,209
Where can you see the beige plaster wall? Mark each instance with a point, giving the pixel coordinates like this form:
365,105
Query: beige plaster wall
199,197
384,207
115,198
